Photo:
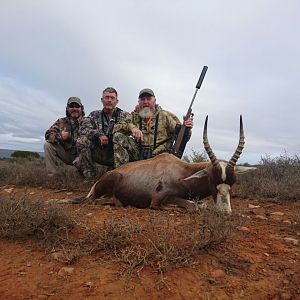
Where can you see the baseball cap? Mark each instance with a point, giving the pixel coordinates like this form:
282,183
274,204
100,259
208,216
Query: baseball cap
74,100
146,91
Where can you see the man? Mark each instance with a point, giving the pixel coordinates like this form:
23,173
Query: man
147,133
61,137
95,142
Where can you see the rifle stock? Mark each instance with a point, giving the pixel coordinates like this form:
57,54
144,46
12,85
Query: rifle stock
179,145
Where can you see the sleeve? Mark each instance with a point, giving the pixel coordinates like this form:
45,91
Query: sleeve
173,121
87,129
52,135
125,125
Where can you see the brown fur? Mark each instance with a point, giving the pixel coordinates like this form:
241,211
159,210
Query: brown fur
165,179
153,183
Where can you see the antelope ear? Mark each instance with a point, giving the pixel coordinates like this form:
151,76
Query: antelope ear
243,169
199,174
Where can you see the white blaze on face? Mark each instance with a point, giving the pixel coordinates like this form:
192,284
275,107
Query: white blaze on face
223,168
223,198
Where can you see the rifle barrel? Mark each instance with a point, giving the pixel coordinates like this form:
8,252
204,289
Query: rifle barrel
179,144
201,77
199,83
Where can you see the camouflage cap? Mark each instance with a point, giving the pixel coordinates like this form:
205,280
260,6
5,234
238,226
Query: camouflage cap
74,100
146,91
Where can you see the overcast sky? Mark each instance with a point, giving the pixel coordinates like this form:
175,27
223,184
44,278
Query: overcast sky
54,49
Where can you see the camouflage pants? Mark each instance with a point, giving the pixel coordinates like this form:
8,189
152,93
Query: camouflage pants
125,149
55,154
90,153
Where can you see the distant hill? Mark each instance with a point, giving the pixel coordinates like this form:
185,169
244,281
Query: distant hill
6,153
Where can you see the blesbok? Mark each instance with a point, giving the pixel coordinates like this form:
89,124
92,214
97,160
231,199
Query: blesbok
166,179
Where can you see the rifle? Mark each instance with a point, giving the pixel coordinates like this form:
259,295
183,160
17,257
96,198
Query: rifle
180,139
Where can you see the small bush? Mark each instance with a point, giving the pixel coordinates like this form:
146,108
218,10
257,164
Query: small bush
196,157
23,218
277,178
163,244
25,154
117,234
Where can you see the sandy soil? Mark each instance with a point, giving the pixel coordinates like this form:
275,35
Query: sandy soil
263,263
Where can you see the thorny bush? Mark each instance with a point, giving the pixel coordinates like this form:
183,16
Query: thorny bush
23,218
160,241
277,178
117,234
164,243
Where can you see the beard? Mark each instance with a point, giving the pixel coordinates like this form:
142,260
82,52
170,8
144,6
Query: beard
74,114
109,107
146,112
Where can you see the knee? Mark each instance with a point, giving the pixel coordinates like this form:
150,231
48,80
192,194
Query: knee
123,140
118,136
48,147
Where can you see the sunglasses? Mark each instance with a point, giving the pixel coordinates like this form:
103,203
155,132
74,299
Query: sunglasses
74,105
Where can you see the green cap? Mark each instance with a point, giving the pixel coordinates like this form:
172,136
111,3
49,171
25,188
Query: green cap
146,91
74,100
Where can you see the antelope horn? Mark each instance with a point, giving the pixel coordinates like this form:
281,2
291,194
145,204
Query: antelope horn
240,147
215,162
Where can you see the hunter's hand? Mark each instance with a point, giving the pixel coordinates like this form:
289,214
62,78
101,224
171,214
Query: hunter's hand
137,134
64,134
103,140
189,122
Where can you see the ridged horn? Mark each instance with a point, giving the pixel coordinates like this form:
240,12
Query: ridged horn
240,147
215,162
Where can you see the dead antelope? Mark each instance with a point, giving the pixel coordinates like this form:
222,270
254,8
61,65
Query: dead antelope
165,179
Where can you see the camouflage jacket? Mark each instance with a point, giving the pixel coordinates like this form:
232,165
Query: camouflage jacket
98,124
52,135
163,123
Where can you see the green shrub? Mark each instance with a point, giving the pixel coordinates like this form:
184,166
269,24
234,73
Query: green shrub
25,154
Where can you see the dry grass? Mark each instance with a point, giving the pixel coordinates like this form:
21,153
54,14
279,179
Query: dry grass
276,178
163,243
23,218
32,172
160,242
117,233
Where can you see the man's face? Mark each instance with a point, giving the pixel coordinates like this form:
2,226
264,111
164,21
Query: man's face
109,100
146,106
147,100
74,110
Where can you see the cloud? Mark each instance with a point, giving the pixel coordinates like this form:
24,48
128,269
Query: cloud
26,113
52,50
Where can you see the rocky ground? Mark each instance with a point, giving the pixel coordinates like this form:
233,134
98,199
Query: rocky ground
261,263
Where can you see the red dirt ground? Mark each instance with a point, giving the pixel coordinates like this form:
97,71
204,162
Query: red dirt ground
260,264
